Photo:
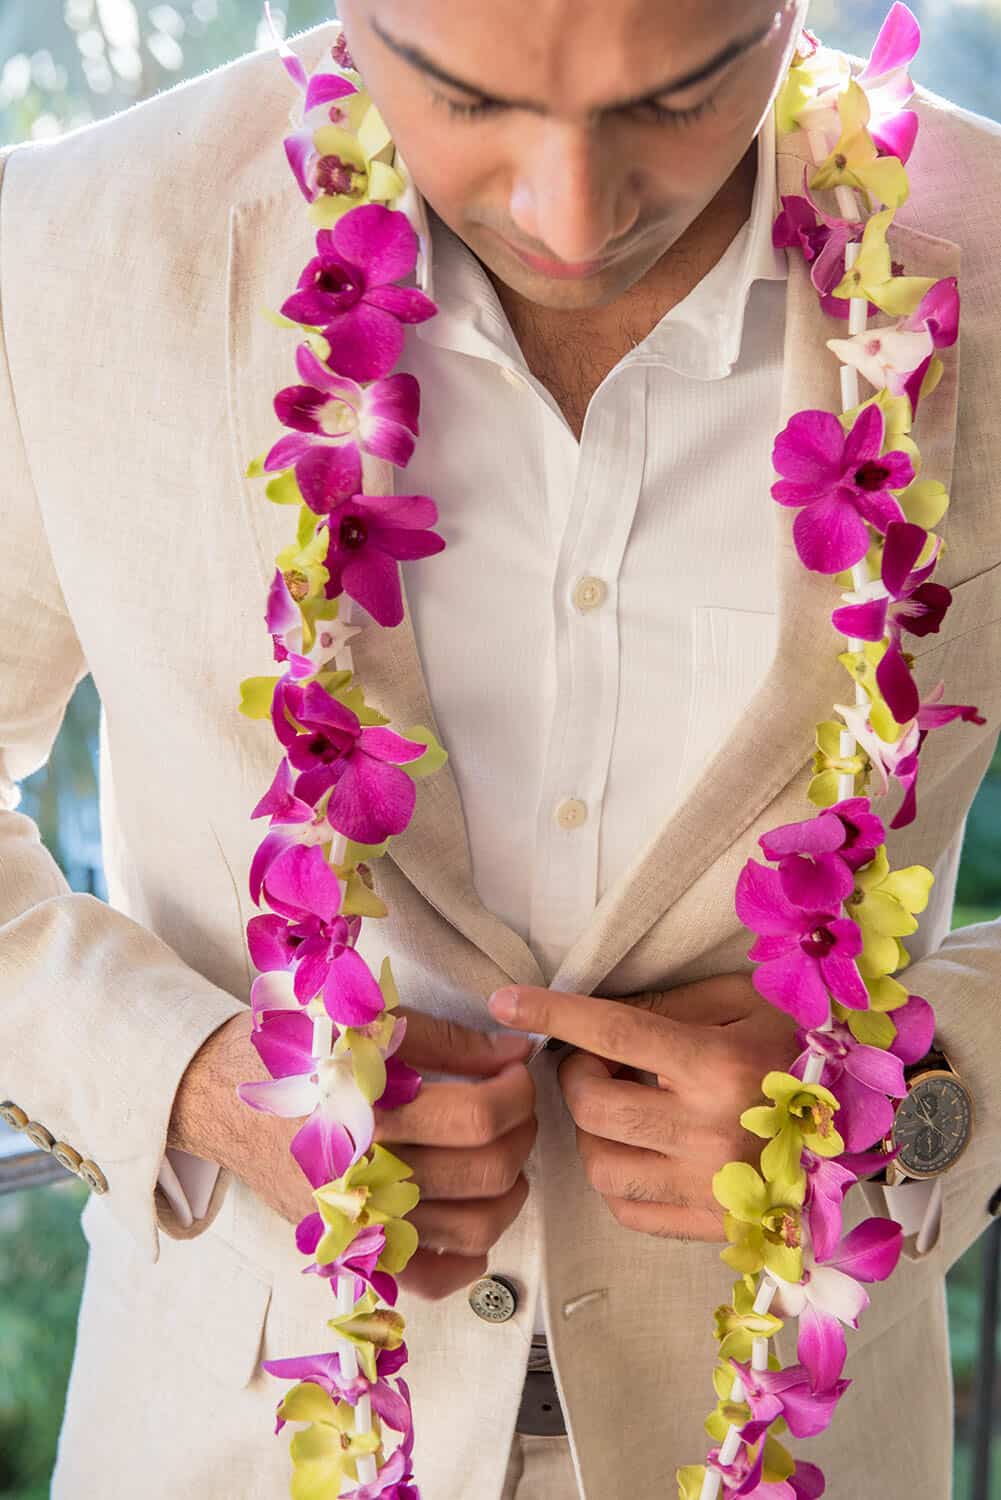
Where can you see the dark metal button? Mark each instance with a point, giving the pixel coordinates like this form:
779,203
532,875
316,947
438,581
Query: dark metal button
39,1136
494,1299
13,1114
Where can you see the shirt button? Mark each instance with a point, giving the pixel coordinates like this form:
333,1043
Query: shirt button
493,1299
571,812
511,376
589,593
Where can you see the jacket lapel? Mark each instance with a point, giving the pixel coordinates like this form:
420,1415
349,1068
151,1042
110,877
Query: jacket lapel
773,741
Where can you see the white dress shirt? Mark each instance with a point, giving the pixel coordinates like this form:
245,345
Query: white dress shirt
603,609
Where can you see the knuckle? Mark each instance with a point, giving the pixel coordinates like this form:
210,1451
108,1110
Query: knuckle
482,1116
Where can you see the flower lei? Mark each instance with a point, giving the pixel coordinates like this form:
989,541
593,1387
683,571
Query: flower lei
829,915
827,911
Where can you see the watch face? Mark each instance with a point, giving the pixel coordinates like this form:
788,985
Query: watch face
932,1125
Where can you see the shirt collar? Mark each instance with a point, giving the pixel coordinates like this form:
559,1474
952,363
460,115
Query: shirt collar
700,337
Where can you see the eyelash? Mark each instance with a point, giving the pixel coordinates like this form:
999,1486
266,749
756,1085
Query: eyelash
661,116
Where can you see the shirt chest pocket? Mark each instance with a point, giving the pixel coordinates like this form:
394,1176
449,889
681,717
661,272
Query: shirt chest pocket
731,650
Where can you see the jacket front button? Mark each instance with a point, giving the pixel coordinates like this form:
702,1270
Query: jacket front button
39,1136
92,1175
13,1114
66,1156
494,1299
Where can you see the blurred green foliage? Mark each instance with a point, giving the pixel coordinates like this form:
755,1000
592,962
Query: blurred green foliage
65,64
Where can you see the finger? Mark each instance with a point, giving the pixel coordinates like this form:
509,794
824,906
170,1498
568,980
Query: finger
616,1029
705,1002
469,1228
461,1114
637,1114
617,1171
432,1277
668,1221
480,1172
438,1045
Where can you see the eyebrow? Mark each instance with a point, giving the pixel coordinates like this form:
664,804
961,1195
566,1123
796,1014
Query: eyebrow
419,59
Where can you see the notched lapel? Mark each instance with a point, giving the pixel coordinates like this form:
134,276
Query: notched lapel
268,246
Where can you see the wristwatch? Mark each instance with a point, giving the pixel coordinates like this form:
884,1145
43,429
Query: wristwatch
932,1124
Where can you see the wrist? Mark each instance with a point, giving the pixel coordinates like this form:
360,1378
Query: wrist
207,1118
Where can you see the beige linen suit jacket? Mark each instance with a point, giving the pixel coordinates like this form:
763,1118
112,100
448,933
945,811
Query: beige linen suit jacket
137,382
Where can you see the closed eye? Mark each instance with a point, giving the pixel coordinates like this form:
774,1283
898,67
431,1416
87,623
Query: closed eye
653,111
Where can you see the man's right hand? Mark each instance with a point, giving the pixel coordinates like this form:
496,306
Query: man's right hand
466,1141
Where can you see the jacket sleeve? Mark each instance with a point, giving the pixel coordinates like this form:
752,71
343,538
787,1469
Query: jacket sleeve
98,1016
962,981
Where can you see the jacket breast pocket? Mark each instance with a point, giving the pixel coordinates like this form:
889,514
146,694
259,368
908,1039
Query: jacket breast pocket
731,651
199,1299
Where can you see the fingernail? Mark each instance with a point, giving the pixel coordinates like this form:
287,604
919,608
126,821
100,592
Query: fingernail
504,1005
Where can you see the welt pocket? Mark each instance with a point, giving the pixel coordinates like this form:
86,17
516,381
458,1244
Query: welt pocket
976,604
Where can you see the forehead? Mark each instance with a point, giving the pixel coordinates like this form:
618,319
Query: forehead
568,49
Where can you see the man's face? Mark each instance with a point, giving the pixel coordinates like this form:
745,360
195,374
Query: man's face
567,168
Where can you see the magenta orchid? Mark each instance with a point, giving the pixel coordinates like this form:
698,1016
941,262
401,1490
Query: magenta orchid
371,797
307,932
335,420
910,602
347,291
888,85
326,1371
786,1393
804,957
864,1079
340,1122
831,1295
899,759
817,858
369,534
822,239
839,483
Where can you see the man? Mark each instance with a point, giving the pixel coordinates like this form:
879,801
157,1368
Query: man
626,671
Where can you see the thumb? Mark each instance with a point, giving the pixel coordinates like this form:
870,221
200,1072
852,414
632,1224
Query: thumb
444,1046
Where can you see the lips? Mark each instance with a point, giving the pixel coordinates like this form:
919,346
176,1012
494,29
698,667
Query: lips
560,269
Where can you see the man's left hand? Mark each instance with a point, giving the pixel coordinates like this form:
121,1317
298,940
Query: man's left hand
651,1150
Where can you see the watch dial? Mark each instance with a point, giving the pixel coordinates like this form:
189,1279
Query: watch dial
932,1125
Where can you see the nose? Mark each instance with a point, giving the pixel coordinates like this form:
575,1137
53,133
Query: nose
571,195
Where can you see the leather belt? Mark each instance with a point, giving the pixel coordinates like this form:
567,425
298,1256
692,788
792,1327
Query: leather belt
540,1413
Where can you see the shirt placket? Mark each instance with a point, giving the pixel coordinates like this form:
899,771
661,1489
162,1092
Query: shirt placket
586,662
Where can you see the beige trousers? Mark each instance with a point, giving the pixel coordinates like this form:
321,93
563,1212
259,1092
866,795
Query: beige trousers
540,1468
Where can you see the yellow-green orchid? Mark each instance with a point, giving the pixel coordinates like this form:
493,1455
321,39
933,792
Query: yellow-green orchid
872,274
737,1325
762,1222
855,161
324,1453
373,1191
829,764
898,419
369,1327
883,904
801,1114
861,667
